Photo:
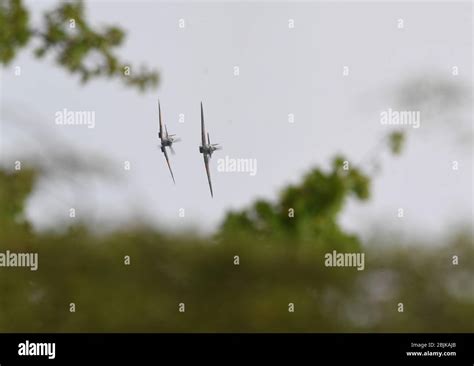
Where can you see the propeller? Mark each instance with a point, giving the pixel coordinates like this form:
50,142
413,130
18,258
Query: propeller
172,150
215,146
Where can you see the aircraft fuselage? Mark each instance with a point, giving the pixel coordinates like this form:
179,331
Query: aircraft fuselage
207,149
167,141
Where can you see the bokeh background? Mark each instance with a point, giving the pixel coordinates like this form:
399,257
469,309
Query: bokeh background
190,259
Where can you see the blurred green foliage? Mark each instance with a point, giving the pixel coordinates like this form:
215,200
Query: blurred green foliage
78,47
396,141
305,213
14,32
278,265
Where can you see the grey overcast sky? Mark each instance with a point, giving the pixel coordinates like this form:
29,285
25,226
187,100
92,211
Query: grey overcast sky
282,71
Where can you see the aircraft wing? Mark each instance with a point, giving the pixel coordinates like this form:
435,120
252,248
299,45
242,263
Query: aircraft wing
203,129
206,163
169,165
161,124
